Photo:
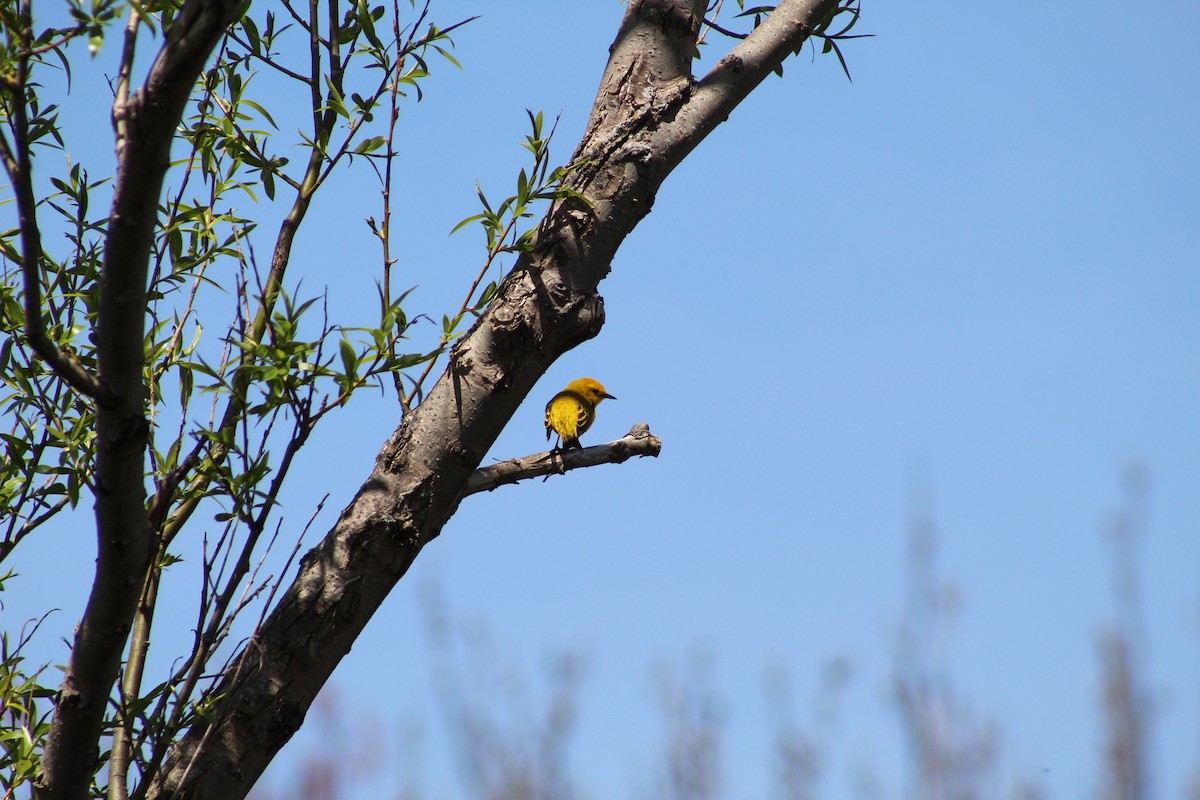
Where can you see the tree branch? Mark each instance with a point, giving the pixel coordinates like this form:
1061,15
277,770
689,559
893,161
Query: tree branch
17,163
638,442
648,114
780,35
145,126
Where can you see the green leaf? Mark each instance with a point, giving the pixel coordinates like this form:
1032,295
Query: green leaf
482,198
370,145
252,35
467,221
367,22
265,114
446,55
756,10
522,188
335,100
488,293
349,358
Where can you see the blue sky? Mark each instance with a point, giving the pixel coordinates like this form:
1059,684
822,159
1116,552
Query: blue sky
966,281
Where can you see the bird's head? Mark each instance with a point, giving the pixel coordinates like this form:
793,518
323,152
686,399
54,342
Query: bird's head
591,389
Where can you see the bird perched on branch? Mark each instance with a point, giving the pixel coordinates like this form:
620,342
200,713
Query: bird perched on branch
573,410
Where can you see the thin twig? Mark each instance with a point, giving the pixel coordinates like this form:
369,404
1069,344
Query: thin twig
270,62
487,265
723,31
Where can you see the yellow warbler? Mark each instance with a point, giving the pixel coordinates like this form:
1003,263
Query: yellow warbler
572,411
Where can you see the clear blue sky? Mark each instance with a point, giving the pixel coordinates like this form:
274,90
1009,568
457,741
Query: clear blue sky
968,279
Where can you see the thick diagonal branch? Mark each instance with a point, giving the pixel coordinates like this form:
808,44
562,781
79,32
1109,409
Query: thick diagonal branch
643,124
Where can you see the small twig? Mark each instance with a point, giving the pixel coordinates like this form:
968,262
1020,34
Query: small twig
385,230
716,12
723,31
231,116
487,265
120,118
270,62
638,442
303,23
11,540
12,536
243,658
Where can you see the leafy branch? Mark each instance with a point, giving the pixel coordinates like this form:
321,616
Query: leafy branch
537,184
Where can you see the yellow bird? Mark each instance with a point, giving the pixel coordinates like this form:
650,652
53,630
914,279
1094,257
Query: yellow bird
573,410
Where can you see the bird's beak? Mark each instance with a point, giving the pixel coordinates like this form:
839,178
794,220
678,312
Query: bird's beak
609,396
